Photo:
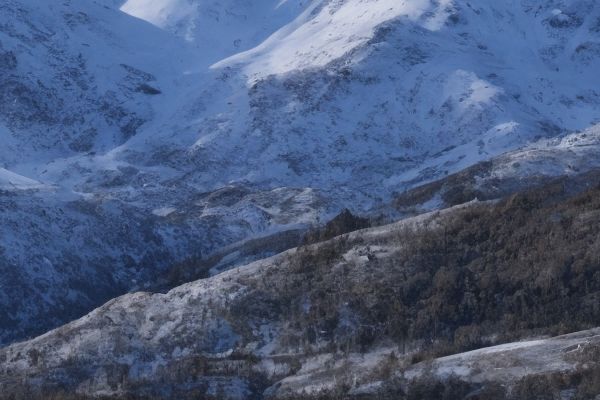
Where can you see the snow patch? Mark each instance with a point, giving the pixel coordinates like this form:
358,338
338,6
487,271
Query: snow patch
11,181
164,211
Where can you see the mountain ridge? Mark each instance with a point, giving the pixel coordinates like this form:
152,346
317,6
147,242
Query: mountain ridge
317,322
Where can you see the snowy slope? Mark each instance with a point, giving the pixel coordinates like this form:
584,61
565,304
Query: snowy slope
219,121
398,92
218,28
70,80
328,30
410,94
572,159
396,84
11,181
512,361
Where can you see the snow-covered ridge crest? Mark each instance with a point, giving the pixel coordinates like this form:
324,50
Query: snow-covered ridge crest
328,30
218,28
278,36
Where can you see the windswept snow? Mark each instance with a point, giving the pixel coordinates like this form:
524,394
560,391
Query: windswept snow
11,181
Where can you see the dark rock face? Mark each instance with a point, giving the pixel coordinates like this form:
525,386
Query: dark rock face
344,222
8,61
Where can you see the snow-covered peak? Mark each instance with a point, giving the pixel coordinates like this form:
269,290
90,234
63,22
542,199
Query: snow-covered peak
281,35
330,29
218,28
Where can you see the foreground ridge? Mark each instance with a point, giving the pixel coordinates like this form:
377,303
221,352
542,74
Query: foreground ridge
366,315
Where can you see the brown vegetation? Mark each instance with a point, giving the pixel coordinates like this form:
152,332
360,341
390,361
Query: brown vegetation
527,265
480,275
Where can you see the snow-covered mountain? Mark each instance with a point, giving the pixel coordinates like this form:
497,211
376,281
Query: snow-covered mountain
139,133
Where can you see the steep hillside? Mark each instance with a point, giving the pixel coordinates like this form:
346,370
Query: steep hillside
79,81
353,316
561,367
75,78
218,29
151,131
573,160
